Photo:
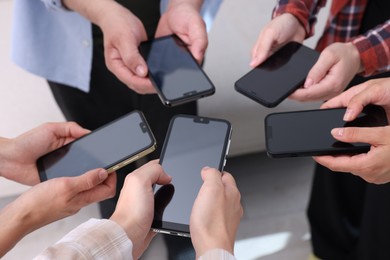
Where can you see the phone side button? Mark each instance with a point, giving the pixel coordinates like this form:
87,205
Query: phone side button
224,162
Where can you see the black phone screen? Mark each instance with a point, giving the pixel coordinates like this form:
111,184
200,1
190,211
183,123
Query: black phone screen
192,143
107,147
176,75
307,133
280,75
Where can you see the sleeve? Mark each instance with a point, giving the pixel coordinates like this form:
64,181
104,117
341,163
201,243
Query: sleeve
55,5
304,10
217,254
94,239
374,49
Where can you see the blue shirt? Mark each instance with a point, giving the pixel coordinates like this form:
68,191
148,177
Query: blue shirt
56,44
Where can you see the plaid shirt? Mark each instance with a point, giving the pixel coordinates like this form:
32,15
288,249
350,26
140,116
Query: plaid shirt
343,26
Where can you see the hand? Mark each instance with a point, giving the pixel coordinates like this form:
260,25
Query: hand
376,91
279,31
50,201
122,32
373,166
183,19
18,156
135,207
216,212
335,68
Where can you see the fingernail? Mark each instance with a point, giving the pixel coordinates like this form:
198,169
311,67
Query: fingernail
205,168
348,115
102,174
140,70
337,131
308,83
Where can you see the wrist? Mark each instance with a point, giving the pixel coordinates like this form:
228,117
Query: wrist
196,4
355,54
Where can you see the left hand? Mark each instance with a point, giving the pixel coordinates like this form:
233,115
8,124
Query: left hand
183,19
18,156
135,208
330,75
50,201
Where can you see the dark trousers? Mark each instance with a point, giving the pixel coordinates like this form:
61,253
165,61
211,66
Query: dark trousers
107,100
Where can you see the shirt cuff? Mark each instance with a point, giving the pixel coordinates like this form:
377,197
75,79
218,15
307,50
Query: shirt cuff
54,5
300,11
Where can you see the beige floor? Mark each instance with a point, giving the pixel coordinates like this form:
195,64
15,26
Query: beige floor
274,192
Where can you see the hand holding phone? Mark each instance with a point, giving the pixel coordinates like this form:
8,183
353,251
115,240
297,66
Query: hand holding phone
174,72
111,146
279,76
308,133
192,143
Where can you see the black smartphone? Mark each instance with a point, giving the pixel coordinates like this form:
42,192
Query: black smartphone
307,133
279,76
192,143
174,72
111,146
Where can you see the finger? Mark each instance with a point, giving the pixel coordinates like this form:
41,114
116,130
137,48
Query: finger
262,48
320,69
228,179
89,179
310,94
100,192
370,135
371,95
341,163
199,42
154,173
211,175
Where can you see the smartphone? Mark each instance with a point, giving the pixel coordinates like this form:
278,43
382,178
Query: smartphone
174,72
192,143
307,133
111,147
279,76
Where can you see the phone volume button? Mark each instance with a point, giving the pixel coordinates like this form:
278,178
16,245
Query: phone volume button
228,146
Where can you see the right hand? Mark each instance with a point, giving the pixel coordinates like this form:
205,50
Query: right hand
373,166
216,212
279,31
123,32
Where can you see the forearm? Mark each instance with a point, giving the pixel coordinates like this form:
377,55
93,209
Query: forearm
305,11
92,10
4,157
14,226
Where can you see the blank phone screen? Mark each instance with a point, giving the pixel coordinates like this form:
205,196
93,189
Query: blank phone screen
282,73
102,148
307,133
192,144
173,70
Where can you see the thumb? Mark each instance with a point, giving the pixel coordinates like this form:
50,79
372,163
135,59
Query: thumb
90,179
319,70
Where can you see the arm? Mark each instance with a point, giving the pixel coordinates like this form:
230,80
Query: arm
128,229
50,201
339,62
292,21
215,215
373,166
123,32
18,156
183,19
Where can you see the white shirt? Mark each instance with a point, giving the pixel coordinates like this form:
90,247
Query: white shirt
104,239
